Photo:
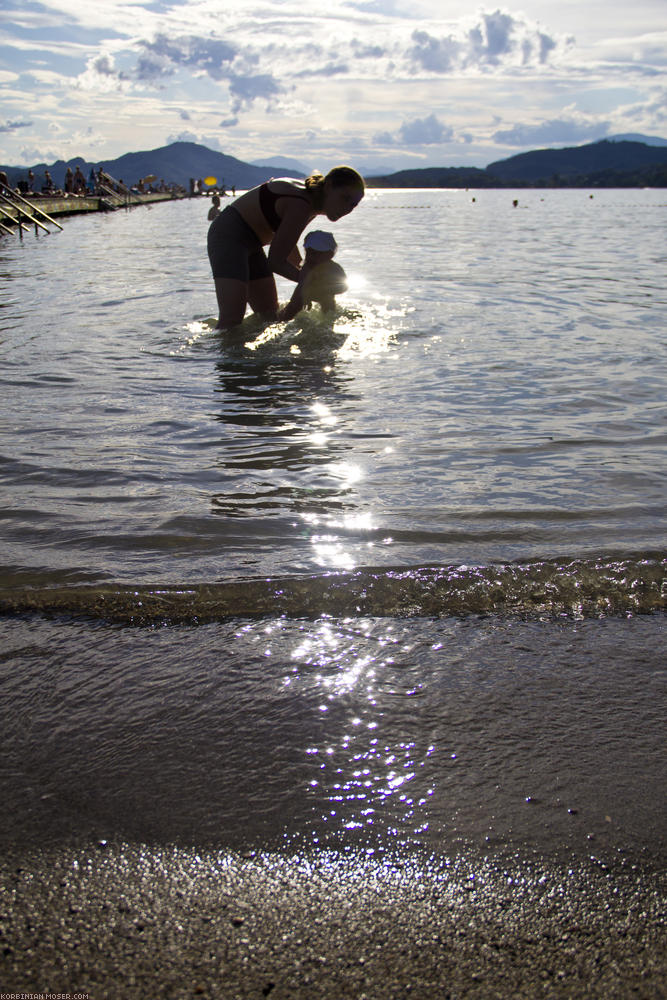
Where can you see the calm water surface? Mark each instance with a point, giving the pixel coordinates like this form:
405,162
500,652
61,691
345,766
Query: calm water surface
481,429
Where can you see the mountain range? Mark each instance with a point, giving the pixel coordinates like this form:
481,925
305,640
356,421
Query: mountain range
618,162
607,163
176,164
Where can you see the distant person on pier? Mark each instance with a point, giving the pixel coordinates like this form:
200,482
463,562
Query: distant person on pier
274,215
214,210
48,186
79,182
69,181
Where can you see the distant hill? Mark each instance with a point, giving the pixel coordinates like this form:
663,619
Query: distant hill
287,165
608,163
175,163
541,164
434,177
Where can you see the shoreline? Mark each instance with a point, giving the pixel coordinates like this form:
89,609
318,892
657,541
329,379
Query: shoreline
128,921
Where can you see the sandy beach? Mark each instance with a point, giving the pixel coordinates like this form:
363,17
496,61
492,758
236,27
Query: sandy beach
128,921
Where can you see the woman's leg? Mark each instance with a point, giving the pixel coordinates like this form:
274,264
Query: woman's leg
263,297
232,296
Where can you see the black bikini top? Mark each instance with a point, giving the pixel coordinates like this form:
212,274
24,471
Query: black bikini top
267,203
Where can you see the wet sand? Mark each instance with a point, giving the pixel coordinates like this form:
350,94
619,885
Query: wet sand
128,921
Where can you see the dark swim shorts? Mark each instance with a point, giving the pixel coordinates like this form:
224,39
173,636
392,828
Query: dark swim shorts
234,249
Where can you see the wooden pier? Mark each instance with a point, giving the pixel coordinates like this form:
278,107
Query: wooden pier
19,213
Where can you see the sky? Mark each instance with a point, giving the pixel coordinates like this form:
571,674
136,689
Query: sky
379,84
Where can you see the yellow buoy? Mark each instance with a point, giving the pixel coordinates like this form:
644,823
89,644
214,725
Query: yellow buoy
210,180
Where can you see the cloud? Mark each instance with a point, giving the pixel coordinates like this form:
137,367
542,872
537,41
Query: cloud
495,40
428,131
330,69
212,56
492,38
37,154
103,65
101,75
425,132
437,55
183,137
558,130
13,126
650,113
247,89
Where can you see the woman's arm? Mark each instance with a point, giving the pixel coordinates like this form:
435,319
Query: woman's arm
294,306
296,216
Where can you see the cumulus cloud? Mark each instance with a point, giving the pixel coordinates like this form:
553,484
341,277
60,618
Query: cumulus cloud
212,56
425,132
183,137
37,154
429,131
104,65
496,39
437,55
557,130
101,75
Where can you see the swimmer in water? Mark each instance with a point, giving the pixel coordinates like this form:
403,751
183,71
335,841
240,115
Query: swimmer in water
324,279
274,215
214,210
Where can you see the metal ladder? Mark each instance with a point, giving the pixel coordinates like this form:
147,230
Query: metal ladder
22,210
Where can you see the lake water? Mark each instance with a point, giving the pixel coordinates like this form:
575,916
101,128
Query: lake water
389,578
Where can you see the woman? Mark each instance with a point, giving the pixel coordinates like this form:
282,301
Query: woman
273,214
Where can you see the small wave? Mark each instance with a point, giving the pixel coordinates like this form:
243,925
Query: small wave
576,588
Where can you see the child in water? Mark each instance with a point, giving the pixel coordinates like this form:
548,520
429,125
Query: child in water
214,210
321,279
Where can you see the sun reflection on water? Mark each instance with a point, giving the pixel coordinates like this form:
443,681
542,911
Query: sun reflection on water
367,333
362,774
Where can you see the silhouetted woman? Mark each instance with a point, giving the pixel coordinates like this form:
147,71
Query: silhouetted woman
274,215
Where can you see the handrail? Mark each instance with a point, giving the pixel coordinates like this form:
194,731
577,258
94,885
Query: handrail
129,195
22,211
19,198
12,220
111,193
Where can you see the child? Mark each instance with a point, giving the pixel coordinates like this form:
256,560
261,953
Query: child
214,210
321,279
